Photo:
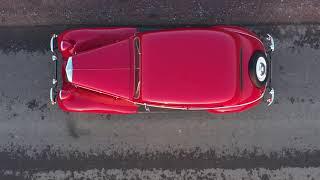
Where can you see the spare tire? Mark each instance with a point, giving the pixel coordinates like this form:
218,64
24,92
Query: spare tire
259,69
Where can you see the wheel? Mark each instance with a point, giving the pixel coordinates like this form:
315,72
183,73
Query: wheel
259,69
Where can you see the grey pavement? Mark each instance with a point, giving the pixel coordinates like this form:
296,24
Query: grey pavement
155,174
38,140
154,12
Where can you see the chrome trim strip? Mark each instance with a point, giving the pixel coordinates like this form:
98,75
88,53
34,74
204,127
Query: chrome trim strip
61,45
60,94
158,106
236,31
51,97
54,57
214,108
272,45
241,69
270,100
54,81
240,105
51,42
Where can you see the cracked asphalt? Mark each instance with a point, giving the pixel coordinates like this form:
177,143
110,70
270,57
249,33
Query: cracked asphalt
39,141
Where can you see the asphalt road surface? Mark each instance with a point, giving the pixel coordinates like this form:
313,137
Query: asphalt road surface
154,12
39,141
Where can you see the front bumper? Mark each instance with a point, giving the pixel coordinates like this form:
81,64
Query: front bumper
54,58
270,47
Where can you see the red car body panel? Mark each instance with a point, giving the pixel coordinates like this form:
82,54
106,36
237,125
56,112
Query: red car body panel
185,67
189,68
81,40
105,69
82,100
92,101
249,93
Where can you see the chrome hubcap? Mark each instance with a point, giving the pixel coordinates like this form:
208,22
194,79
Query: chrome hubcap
261,69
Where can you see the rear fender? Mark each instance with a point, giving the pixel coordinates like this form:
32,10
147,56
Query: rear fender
234,109
236,29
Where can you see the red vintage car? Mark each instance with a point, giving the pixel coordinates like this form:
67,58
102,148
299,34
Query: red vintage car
219,69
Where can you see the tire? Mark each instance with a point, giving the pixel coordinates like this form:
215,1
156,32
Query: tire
259,69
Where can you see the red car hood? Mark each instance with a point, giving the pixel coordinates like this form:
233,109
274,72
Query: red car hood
190,67
106,69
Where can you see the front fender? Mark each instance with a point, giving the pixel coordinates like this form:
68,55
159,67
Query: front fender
75,41
81,100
